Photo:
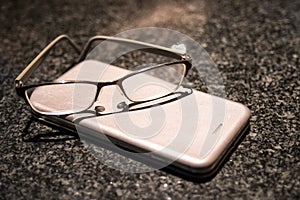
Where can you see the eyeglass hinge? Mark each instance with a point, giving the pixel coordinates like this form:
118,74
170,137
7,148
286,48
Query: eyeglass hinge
187,57
18,83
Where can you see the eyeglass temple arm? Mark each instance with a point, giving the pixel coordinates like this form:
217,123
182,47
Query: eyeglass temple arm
33,65
151,48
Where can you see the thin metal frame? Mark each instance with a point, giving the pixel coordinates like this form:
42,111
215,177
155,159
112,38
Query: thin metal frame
28,71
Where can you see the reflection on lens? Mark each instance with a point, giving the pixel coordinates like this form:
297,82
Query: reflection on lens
154,83
58,99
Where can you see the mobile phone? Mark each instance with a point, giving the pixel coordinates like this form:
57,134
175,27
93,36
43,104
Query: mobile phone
192,138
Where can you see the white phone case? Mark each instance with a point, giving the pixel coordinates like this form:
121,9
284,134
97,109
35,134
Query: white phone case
195,133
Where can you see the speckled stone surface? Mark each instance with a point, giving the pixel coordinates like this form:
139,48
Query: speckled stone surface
256,46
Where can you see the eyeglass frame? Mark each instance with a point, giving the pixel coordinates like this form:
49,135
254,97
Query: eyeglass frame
147,47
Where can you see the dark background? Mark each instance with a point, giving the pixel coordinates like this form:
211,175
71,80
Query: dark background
256,47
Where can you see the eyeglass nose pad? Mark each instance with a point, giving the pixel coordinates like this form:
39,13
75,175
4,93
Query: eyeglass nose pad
99,109
122,105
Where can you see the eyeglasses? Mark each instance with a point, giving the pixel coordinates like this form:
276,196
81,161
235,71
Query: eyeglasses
147,84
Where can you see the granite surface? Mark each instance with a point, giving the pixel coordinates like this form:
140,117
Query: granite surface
256,47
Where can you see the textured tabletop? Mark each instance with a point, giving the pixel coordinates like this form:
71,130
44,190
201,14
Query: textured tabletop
255,45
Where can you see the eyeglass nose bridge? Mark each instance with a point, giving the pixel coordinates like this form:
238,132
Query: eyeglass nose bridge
101,85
